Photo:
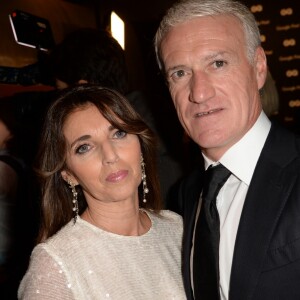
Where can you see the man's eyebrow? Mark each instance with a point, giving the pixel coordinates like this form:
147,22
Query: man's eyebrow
215,55
206,58
174,68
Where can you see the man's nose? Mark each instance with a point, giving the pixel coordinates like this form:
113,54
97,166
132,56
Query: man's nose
201,88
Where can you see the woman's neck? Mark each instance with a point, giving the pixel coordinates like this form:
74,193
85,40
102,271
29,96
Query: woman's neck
128,222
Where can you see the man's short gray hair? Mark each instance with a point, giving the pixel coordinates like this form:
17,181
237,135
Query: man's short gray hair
186,10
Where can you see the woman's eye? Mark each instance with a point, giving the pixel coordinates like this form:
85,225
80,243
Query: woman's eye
82,149
120,134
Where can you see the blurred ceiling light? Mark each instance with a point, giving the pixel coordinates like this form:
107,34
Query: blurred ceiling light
117,29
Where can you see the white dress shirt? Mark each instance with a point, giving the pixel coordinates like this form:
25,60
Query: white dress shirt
241,160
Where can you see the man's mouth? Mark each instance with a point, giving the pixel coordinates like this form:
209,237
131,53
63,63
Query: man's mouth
205,113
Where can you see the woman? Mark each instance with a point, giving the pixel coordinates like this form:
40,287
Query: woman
103,235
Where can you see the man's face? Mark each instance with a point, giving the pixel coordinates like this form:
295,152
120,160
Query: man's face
214,88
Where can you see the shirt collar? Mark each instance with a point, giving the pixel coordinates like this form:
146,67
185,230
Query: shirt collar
242,157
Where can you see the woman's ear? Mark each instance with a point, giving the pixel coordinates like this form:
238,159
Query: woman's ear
64,175
67,177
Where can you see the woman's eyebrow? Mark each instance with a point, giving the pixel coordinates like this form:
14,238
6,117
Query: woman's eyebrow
81,138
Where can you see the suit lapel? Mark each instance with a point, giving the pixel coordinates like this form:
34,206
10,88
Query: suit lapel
269,189
190,192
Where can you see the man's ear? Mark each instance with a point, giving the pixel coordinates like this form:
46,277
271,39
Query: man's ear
261,67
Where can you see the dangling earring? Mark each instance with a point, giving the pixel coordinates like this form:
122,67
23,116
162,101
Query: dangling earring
75,201
145,188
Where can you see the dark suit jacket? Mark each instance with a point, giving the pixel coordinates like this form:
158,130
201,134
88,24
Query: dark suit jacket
266,259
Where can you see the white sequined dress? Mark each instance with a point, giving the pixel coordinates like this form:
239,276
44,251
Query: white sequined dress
84,262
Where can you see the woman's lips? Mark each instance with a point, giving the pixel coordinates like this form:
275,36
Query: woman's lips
117,176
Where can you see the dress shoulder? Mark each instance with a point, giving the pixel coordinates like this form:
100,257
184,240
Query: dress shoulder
171,215
168,222
43,273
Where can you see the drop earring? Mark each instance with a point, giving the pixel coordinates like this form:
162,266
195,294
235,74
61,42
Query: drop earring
74,200
145,188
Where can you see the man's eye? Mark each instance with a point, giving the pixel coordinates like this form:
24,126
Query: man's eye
120,134
178,74
82,149
219,64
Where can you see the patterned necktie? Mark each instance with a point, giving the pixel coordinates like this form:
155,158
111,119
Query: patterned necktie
207,237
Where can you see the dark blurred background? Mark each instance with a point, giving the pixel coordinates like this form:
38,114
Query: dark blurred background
279,22
26,85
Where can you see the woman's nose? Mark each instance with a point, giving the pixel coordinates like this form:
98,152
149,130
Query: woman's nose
109,153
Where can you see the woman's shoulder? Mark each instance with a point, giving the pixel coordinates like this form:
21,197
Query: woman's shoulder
44,271
171,215
167,218
65,238
168,226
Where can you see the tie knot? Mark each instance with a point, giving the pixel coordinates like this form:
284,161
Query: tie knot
215,177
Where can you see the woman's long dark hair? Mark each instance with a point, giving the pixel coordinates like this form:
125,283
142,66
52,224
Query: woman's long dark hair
56,205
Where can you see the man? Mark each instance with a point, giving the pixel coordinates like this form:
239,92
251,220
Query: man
215,67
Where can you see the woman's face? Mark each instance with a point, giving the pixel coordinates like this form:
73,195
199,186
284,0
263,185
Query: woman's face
102,159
